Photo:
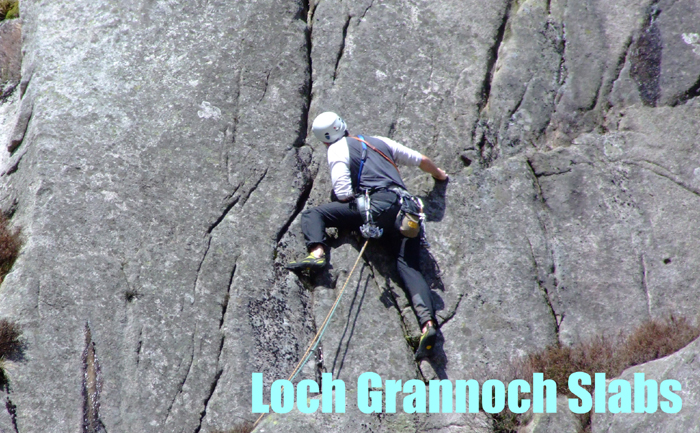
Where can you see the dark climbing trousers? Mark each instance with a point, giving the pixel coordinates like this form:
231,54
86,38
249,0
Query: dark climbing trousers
385,207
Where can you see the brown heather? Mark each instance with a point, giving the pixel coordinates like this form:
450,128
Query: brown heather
9,338
652,340
10,244
9,344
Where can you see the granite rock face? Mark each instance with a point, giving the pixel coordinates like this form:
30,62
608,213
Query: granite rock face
158,158
681,366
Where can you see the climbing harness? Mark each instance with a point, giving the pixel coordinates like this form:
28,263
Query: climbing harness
364,153
364,204
317,338
369,229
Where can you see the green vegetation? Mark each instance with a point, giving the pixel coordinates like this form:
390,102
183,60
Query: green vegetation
9,9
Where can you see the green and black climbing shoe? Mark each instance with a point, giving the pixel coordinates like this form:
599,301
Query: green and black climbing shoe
308,263
426,344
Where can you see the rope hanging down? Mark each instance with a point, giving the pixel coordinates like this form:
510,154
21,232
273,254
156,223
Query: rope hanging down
317,338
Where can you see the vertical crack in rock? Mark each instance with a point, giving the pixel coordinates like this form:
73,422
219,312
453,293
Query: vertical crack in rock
520,102
645,58
229,137
320,368
392,129
342,47
139,346
453,313
252,189
621,63
300,204
306,89
227,297
267,82
92,387
487,147
199,267
230,133
306,11
594,101
558,318
12,411
223,214
365,12
182,382
645,286
38,300
304,124
268,314
493,57
563,73
202,414
543,289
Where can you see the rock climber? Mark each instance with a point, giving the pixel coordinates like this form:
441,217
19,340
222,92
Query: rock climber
369,194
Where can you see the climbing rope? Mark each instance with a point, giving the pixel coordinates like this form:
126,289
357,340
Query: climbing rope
317,338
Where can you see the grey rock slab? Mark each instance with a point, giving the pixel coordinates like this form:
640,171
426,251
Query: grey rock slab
144,146
495,277
680,58
594,225
681,366
563,421
554,67
9,111
584,65
609,200
658,148
525,79
662,66
161,161
411,71
355,421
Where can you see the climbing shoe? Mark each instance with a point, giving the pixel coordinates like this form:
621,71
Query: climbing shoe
426,344
308,263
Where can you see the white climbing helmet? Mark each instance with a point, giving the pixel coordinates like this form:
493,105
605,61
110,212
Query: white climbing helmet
328,127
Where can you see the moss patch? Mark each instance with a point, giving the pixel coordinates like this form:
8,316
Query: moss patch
9,9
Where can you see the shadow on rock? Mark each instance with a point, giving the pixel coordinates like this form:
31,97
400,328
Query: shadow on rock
435,203
350,326
438,359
